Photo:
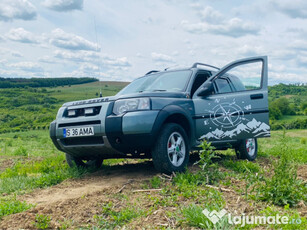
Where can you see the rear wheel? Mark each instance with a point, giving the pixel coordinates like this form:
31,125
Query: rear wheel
171,151
248,149
76,161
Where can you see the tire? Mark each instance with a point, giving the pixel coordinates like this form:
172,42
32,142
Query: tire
171,151
247,149
75,161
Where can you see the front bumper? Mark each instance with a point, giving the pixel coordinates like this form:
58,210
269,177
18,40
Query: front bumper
115,136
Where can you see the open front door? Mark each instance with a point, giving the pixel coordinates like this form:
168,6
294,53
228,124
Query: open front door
237,106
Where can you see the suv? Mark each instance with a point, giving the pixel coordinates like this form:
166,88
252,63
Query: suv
165,114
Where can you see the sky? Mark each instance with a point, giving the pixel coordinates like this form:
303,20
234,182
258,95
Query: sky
121,40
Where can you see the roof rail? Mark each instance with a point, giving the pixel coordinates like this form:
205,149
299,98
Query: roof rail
197,63
153,71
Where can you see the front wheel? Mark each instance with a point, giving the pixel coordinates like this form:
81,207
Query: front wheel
76,161
247,149
171,151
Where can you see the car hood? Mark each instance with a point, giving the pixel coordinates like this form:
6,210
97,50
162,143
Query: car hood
126,96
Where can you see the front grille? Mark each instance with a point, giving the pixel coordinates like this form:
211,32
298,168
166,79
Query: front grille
81,112
79,123
82,141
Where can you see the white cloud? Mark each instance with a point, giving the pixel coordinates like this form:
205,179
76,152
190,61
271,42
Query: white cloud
248,50
16,9
293,8
64,5
212,21
92,57
47,59
21,35
299,44
26,66
234,27
16,54
211,16
61,39
81,56
158,57
88,67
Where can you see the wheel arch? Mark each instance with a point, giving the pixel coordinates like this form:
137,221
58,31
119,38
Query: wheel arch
175,114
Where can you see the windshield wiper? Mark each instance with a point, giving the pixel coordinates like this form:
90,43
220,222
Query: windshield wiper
159,90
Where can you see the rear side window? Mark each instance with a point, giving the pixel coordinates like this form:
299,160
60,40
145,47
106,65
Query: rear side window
222,85
237,83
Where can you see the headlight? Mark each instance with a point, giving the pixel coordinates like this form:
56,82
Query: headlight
127,105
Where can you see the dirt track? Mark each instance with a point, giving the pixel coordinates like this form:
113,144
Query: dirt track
76,201
79,199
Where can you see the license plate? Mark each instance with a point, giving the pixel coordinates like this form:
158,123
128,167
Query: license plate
78,132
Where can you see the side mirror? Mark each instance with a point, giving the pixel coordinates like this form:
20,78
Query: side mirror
206,89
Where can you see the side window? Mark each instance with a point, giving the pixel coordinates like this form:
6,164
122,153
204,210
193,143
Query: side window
223,85
247,76
237,83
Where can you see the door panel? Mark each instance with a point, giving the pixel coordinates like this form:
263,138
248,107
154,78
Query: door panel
240,114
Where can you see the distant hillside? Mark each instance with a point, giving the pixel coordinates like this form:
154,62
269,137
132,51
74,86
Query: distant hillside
42,82
288,106
291,89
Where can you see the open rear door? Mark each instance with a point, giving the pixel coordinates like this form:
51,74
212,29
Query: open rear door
238,107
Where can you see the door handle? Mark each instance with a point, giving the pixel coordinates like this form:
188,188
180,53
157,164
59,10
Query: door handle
257,96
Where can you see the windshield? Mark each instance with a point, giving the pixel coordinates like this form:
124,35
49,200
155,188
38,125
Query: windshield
174,81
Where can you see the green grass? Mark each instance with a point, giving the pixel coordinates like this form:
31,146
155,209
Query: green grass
35,108
42,221
292,117
11,205
38,173
111,218
194,217
242,166
271,146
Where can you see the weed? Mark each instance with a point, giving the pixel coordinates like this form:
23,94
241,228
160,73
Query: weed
193,216
209,168
303,140
10,206
21,151
111,218
42,221
155,182
283,187
242,166
295,221
50,171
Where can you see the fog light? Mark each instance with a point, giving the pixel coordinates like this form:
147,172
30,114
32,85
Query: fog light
71,113
88,111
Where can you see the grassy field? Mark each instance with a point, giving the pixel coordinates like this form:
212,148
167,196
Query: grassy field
29,161
34,108
39,191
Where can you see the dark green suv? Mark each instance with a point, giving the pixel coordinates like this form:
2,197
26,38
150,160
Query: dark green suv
165,114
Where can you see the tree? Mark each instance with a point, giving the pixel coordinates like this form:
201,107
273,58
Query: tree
274,112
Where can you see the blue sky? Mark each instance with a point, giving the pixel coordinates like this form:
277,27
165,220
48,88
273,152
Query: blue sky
57,38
